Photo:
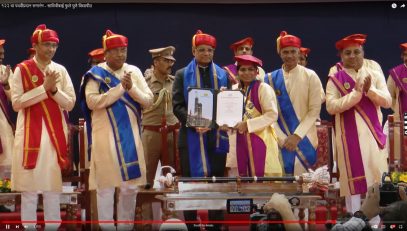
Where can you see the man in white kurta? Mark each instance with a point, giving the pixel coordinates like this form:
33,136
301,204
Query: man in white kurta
368,64
6,134
105,172
46,175
399,72
304,89
374,87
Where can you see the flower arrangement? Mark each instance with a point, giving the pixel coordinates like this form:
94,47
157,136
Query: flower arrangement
398,177
5,185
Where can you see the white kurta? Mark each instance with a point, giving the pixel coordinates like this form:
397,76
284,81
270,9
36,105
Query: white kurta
395,92
46,176
6,134
305,90
374,159
104,166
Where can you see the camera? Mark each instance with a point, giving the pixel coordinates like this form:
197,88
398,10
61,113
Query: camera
389,192
266,222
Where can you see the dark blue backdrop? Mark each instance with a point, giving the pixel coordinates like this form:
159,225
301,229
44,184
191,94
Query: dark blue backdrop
147,26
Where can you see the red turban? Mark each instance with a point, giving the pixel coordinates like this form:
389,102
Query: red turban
403,46
305,51
98,54
2,42
203,39
249,41
355,39
248,60
42,34
287,40
111,40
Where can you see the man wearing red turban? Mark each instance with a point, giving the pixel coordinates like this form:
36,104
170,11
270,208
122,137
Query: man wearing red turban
241,47
202,149
42,90
360,39
111,97
96,56
298,90
355,96
304,52
396,83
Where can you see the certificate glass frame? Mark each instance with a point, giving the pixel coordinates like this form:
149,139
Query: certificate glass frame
200,107
229,108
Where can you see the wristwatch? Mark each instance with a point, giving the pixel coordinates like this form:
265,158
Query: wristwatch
54,92
361,215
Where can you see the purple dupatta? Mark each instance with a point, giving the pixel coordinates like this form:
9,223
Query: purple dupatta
251,149
350,141
399,75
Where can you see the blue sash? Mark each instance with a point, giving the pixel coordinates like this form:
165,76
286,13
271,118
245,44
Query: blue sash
197,144
119,121
288,122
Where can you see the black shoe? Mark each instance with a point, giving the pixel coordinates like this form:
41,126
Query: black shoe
3,209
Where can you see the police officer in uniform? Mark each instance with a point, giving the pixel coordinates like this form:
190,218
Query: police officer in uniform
159,122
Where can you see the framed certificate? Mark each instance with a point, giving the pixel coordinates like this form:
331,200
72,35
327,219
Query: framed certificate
229,108
200,107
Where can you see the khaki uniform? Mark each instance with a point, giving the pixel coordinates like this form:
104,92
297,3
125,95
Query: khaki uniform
159,124
152,123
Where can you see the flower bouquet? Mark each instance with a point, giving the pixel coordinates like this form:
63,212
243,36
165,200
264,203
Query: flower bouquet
399,177
5,185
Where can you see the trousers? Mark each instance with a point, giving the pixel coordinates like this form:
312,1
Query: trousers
125,207
52,213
